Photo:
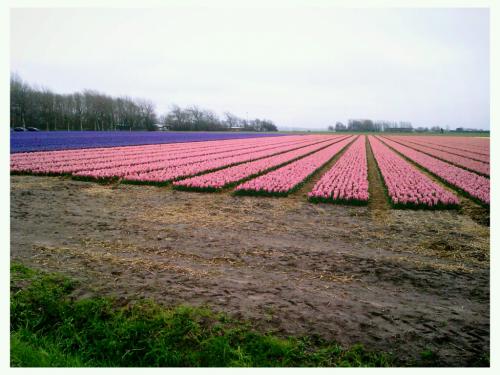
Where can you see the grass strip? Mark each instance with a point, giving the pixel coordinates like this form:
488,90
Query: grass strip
49,328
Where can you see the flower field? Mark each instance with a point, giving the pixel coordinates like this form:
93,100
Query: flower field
279,166
458,160
406,186
129,152
473,145
63,140
421,141
226,177
347,180
165,172
284,180
116,162
471,183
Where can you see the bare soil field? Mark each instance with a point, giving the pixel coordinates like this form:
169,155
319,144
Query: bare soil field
402,281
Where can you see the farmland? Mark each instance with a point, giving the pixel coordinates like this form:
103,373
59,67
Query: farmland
381,240
280,165
63,140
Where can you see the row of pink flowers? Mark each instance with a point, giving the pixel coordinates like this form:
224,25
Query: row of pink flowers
441,147
459,161
285,179
347,180
65,156
472,183
228,176
471,144
173,170
68,161
405,184
149,162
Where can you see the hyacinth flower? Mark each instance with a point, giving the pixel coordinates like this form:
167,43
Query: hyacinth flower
135,160
286,179
458,160
347,180
91,159
474,185
471,153
406,186
232,175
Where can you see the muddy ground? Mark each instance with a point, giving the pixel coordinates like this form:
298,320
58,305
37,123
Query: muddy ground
394,280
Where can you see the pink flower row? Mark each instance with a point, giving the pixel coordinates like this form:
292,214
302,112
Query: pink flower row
283,180
347,180
147,162
463,153
470,144
67,161
405,184
167,171
65,157
118,159
229,176
475,185
459,161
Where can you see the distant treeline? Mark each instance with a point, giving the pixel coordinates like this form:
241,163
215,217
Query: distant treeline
87,110
372,126
194,118
91,110
390,126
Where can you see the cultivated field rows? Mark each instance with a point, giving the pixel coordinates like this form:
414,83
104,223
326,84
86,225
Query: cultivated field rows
471,183
347,180
97,158
467,154
281,165
286,179
229,176
121,168
480,146
459,161
64,140
405,184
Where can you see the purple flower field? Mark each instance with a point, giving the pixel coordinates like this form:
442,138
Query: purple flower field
63,140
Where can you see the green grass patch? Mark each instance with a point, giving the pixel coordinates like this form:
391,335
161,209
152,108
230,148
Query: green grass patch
49,328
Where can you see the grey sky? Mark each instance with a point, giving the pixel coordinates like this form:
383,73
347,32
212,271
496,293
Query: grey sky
299,66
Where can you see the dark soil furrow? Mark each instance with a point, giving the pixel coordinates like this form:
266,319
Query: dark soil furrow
378,197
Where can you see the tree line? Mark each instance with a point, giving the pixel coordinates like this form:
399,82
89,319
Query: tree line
87,110
365,125
195,118
91,110
382,126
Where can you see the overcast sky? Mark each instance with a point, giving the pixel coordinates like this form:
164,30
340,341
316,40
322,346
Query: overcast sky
299,66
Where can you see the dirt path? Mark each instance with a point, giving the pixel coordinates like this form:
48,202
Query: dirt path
378,197
414,281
